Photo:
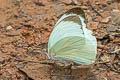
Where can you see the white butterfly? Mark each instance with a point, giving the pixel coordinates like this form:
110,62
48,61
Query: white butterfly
70,39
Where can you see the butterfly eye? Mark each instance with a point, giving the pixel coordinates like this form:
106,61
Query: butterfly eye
53,54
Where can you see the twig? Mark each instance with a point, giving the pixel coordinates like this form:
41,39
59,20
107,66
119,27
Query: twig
23,60
111,68
102,62
60,75
94,9
116,51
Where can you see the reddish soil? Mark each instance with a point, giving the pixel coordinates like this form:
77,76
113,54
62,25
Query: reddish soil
25,26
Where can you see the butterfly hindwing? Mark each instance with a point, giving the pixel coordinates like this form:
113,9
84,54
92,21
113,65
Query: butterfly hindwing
75,48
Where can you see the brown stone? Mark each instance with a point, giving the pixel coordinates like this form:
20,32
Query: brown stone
106,14
93,25
105,20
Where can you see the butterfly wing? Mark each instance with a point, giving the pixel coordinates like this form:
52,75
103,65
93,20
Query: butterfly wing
71,40
64,29
76,49
60,23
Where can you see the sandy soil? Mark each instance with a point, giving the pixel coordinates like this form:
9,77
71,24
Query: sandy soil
25,26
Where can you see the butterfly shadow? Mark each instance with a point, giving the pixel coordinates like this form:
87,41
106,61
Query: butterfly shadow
71,72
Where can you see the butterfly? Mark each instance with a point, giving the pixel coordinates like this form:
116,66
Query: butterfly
70,39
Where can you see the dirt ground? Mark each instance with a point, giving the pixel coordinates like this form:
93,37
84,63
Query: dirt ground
25,26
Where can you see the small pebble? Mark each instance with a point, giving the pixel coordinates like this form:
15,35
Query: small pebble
2,25
67,1
112,37
75,2
119,63
8,28
105,20
97,3
93,25
116,11
84,7
116,16
100,45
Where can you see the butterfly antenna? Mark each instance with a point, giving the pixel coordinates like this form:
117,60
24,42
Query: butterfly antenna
44,51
